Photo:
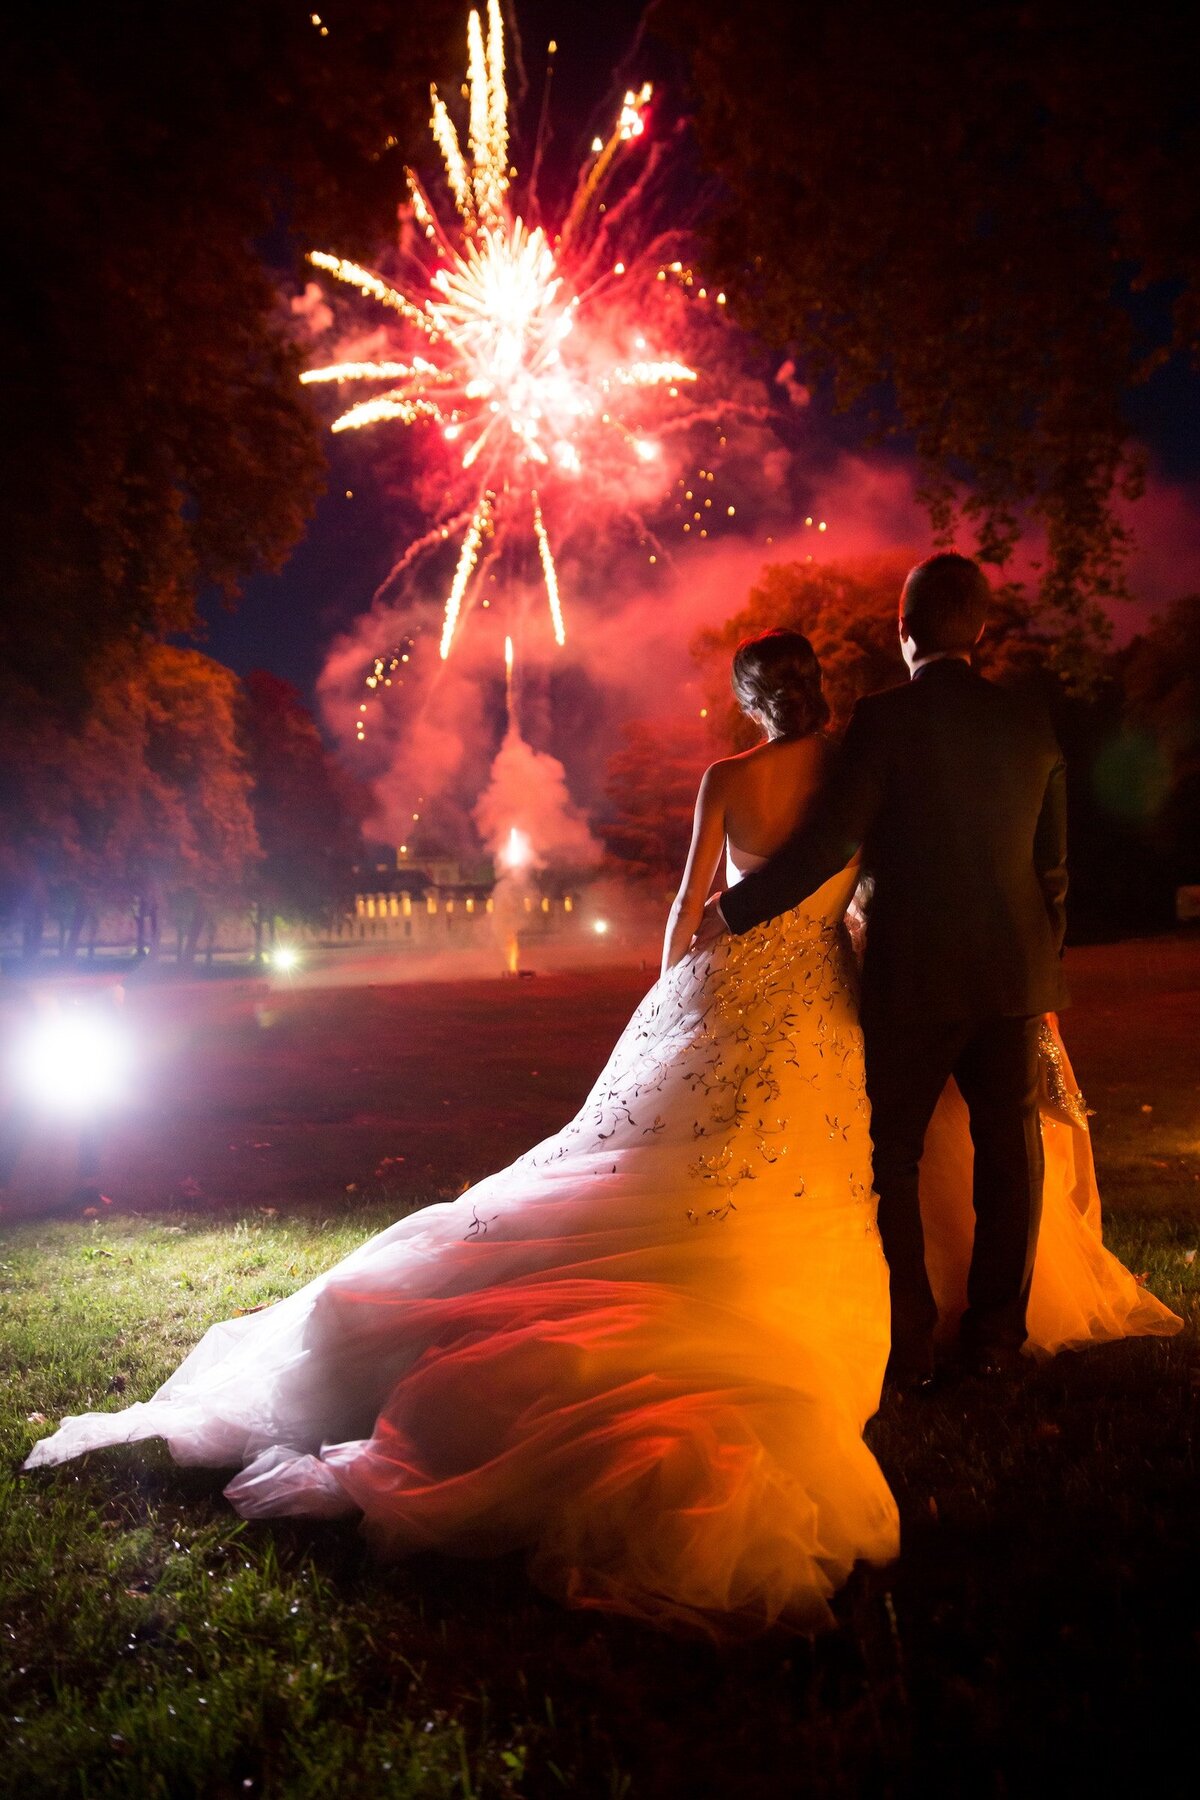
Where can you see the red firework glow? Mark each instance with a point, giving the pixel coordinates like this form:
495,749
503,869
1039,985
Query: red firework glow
519,352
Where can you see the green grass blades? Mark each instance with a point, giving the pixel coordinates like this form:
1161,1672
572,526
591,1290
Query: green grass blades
153,1645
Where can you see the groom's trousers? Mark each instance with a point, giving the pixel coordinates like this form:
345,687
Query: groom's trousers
995,1063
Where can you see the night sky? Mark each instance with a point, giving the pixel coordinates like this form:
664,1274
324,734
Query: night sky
285,623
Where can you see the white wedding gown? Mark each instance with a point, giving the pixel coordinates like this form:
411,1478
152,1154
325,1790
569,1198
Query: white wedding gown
646,1351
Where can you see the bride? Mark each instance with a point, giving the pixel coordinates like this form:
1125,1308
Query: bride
646,1352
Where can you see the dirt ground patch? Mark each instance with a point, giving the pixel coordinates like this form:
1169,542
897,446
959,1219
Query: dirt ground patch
277,1093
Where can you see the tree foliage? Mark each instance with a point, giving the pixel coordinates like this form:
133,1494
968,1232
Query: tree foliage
308,810
950,210
153,155
848,611
1160,678
1132,747
650,784
180,792
145,801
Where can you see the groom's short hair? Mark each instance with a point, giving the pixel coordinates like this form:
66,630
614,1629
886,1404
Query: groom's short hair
945,602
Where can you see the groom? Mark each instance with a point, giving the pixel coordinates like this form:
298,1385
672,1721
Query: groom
954,791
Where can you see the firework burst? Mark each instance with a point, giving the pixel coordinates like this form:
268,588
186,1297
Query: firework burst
513,349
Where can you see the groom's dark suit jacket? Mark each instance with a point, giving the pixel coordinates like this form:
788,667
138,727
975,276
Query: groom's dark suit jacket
955,791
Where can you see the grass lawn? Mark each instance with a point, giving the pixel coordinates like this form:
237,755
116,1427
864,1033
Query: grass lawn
1038,1634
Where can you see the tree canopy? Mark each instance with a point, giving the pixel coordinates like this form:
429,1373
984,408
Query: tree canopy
650,785
146,801
848,611
180,791
308,810
160,162
1160,679
976,221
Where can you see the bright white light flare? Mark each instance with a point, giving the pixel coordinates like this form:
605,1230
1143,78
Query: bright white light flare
518,851
73,1064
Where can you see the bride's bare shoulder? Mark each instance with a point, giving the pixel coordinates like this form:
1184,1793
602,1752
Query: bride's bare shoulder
799,756
726,768
755,790
729,773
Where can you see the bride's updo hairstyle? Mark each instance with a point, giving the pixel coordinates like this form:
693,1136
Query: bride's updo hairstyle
777,678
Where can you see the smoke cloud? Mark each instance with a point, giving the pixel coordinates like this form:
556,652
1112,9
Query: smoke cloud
436,743
527,795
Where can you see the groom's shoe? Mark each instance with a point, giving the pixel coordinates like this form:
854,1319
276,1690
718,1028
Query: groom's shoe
988,1362
908,1374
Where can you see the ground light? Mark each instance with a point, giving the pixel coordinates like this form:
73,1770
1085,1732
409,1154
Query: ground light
518,850
74,1063
600,927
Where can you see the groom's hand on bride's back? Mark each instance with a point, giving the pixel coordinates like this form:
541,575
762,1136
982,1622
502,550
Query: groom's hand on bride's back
712,925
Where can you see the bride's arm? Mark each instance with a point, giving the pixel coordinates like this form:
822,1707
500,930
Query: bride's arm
708,841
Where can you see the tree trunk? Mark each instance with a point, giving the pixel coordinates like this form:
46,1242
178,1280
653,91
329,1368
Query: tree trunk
32,925
79,919
149,931
189,935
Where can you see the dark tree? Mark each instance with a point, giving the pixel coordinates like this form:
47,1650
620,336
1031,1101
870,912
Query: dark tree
161,164
951,211
651,783
848,610
143,803
308,809
1160,680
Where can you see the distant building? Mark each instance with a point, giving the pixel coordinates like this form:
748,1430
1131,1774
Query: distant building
427,898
